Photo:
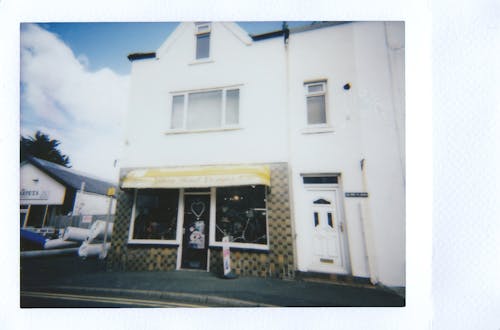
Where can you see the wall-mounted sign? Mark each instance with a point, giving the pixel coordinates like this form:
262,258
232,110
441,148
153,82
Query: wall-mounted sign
356,194
26,194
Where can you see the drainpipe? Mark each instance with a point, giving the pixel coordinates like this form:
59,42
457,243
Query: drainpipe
286,34
367,229
392,52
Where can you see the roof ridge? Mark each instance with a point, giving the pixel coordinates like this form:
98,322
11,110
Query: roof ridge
50,167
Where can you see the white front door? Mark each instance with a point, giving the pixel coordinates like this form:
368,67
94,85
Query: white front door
327,231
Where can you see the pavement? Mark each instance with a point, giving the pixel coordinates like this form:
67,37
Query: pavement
70,275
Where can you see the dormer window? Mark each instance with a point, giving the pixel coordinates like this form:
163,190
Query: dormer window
203,40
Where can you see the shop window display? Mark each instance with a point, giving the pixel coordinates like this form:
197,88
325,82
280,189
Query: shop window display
155,216
241,214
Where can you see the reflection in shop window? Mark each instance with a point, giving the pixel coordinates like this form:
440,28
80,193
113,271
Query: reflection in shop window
155,215
241,214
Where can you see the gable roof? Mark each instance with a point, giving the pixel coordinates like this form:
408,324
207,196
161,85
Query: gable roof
237,31
234,28
71,178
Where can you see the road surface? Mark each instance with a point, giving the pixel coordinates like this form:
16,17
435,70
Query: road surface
36,299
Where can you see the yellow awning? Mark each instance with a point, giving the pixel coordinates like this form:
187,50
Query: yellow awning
198,177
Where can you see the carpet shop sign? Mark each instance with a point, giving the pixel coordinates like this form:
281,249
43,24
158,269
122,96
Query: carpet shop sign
34,194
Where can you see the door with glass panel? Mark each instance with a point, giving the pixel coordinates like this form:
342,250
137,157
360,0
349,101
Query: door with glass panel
195,231
327,232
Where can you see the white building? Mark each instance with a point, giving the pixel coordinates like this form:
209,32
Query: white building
290,143
48,190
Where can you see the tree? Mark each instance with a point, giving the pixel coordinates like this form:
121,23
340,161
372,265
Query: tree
43,147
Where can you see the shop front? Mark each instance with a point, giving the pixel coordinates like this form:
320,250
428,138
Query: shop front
176,219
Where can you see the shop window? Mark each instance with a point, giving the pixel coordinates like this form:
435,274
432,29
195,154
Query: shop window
241,215
316,103
154,216
203,40
205,109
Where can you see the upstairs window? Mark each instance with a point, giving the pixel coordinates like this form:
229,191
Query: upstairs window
203,40
205,109
316,103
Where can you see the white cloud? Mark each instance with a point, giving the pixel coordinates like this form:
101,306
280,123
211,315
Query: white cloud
82,109
84,60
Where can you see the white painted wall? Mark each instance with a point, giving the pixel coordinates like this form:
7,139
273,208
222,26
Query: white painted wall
382,124
367,122
87,203
258,67
37,188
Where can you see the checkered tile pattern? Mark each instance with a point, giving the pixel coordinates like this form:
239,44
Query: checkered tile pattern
132,257
277,262
118,250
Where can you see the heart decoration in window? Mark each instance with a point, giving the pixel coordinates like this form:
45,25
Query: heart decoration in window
198,208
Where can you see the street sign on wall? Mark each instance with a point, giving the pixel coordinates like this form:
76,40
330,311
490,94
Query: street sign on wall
356,194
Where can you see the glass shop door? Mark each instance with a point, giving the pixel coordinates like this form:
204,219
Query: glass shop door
195,231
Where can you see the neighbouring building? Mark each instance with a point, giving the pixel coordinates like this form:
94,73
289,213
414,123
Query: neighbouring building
48,190
289,143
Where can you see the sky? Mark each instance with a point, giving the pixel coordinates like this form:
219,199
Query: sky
74,84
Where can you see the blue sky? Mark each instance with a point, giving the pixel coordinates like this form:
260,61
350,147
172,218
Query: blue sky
108,44
74,84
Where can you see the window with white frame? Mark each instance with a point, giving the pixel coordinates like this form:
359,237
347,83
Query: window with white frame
217,108
154,216
316,103
203,31
241,215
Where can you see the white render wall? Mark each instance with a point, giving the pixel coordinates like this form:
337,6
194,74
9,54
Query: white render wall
382,124
258,68
363,126
367,122
34,180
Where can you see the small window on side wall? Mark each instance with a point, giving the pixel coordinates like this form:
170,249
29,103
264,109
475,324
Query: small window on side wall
316,103
203,40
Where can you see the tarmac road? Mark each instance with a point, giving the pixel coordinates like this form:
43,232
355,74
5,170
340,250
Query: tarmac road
35,299
68,281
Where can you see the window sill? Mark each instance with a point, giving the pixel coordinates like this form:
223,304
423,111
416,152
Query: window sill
205,130
153,242
317,130
201,61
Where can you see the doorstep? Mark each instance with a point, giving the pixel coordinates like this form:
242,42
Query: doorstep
334,279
